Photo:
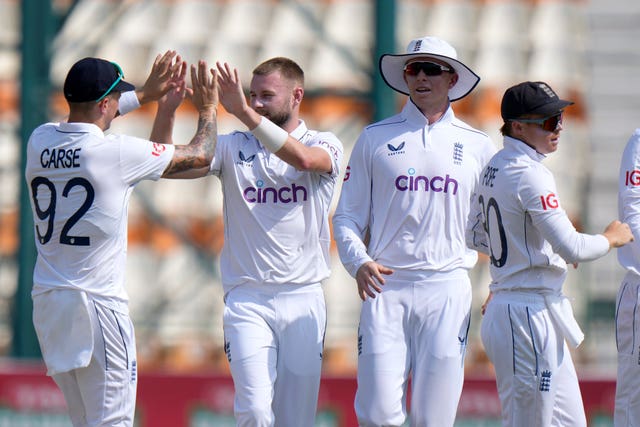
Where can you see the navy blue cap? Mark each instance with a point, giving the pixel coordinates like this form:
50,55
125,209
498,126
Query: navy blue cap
91,79
531,98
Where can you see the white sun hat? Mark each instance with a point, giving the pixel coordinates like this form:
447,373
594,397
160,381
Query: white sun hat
392,66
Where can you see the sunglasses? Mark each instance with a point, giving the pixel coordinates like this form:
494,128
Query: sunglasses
550,124
120,77
428,68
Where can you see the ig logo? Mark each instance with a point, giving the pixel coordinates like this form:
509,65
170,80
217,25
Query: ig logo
632,178
550,201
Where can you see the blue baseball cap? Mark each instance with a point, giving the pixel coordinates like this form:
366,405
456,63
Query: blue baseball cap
91,79
531,98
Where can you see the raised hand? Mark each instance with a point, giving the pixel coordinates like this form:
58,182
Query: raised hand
172,99
205,90
232,95
167,72
192,160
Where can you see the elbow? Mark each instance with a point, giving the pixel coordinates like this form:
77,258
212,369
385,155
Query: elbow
303,164
575,255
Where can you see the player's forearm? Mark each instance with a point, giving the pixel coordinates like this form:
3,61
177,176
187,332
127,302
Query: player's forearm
199,153
162,130
476,239
247,115
475,236
303,158
571,245
349,241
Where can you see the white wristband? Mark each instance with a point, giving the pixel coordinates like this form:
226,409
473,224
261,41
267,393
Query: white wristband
272,136
128,102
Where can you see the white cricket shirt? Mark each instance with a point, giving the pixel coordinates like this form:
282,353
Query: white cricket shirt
529,237
276,228
408,186
629,202
79,183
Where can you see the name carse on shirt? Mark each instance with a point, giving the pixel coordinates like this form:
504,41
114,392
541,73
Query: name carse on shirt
60,158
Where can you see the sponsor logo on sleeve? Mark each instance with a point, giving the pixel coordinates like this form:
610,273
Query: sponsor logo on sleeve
550,201
632,178
332,149
157,149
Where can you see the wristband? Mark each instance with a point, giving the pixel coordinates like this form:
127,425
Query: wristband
128,102
272,136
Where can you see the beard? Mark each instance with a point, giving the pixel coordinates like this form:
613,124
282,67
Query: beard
279,118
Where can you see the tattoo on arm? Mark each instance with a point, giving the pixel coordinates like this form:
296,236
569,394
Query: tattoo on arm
199,152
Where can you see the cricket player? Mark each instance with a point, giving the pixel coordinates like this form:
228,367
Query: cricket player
278,179
400,231
80,182
517,220
627,402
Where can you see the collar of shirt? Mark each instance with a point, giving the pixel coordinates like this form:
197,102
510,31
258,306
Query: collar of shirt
299,131
521,147
412,114
81,127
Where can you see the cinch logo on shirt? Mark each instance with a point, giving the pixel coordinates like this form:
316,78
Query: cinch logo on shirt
549,201
632,178
262,194
422,183
157,149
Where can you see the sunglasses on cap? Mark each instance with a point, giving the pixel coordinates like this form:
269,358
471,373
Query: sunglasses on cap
428,68
120,77
550,124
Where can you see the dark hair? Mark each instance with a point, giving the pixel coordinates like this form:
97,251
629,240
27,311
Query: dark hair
287,67
506,128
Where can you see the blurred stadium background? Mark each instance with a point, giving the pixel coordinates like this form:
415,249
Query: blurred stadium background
585,49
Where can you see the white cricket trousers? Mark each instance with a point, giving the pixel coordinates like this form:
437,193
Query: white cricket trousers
414,328
536,380
274,337
627,403
104,393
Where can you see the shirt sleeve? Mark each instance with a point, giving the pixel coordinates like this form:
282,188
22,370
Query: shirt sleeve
630,182
629,190
141,159
332,145
540,200
351,219
475,236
